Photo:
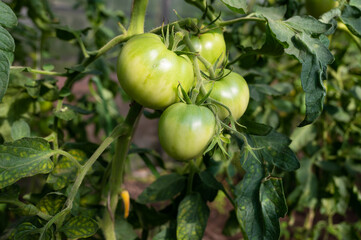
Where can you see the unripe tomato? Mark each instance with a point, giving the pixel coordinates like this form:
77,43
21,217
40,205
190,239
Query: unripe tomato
185,130
232,91
318,7
211,46
149,72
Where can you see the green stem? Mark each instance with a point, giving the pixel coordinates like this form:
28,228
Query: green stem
36,71
117,170
202,6
118,131
241,19
137,18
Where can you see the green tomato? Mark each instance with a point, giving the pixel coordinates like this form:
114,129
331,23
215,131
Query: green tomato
232,91
150,73
318,7
211,46
185,130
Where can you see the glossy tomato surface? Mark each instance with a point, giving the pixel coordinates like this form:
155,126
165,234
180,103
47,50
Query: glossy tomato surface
232,91
149,72
185,130
211,46
318,7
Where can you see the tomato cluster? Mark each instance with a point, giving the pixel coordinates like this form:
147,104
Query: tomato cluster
150,73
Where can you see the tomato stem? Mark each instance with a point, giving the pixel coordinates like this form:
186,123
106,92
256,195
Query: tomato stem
137,18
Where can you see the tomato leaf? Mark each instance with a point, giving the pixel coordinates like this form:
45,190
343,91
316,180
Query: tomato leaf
167,234
20,129
312,51
351,16
24,158
7,45
206,184
247,194
7,16
65,170
4,74
274,206
124,230
52,203
80,227
192,217
164,188
275,150
238,6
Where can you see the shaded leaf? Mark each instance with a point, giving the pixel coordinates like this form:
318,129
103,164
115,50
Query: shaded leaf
164,188
65,113
20,129
351,16
275,150
52,203
274,206
80,227
192,217
24,158
124,230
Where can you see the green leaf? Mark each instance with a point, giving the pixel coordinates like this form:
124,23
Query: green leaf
65,113
65,170
206,184
192,217
124,230
312,52
238,6
164,188
275,150
274,206
26,231
52,203
20,129
308,24
7,45
275,13
4,74
170,233
80,227
255,128
24,158
7,16
247,194
351,16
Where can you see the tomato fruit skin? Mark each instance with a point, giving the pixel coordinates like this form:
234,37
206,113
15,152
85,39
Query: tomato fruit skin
211,46
150,73
318,7
232,91
185,130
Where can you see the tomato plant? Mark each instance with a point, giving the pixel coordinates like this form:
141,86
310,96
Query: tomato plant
85,156
159,71
185,130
